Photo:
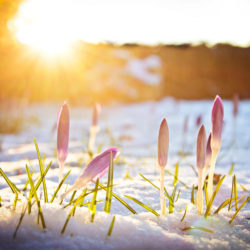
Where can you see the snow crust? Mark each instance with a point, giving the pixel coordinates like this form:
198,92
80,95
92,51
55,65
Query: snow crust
133,129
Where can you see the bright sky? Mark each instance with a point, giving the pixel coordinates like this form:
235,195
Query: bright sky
55,24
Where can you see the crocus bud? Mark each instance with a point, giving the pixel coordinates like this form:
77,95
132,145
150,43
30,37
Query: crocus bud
96,112
235,105
63,133
201,147
163,143
217,123
95,169
198,120
208,151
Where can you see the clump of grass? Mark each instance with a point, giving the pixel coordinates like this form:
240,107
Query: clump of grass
208,210
237,211
36,197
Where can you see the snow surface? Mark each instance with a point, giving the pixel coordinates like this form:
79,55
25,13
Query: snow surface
133,129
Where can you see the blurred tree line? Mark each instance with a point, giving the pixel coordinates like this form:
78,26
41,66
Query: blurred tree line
92,72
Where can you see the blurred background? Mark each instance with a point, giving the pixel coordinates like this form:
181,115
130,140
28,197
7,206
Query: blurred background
122,51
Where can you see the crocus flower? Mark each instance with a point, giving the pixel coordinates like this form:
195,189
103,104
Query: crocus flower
201,148
62,137
95,169
217,124
200,162
208,154
163,143
235,105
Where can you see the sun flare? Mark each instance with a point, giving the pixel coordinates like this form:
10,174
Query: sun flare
45,27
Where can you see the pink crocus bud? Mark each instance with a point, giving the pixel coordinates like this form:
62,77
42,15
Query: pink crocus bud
163,143
96,112
208,151
95,169
63,133
217,123
235,105
201,148
198,120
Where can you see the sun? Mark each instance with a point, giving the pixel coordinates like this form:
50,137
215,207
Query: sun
46,26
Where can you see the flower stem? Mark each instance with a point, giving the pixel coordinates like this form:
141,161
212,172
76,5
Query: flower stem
211,173
200,192
61,167
162,197
92,135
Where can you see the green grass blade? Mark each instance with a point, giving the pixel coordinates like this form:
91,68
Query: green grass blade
108,200
20,221
59,186
192,195
111,226
243,188
183,183
15,201
42,177
166,193
72,211
205,191
36,197
223,204
12,186
72,196
149,181
41,162
239,200
93,203
178,195
120,200
238,210
235,192
231,169
213,196
143,205
198,228
184,215
176,174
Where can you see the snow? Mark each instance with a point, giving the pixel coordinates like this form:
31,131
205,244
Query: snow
133,129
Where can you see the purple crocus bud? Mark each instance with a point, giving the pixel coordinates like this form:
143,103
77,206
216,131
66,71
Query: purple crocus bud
163,143
201,148
217,123
208,151
63,133
235,105
95,169
96,112
198,120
